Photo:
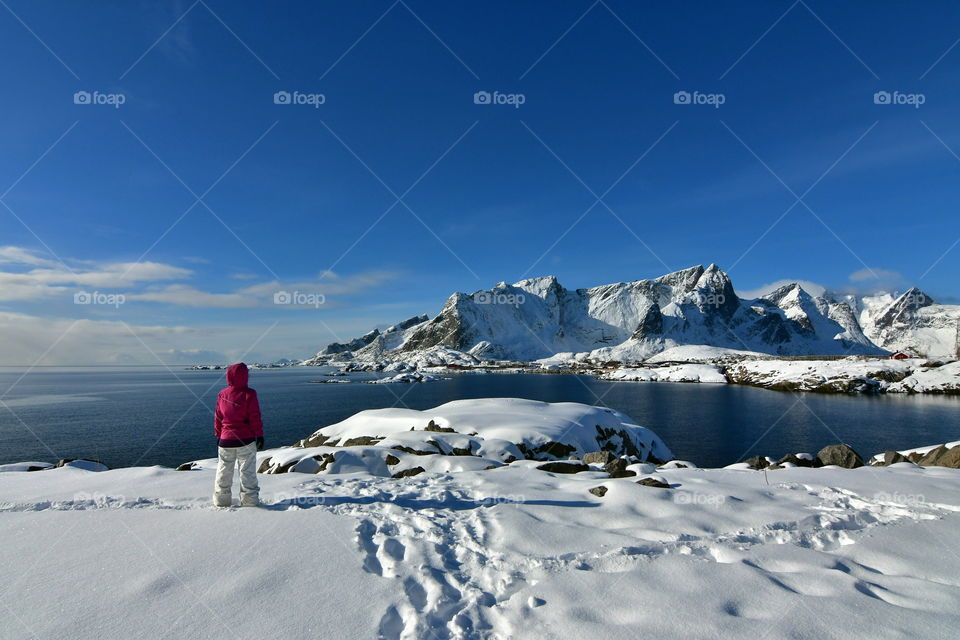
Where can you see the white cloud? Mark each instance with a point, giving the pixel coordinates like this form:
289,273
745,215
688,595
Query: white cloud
19,255
34,277
187,296
63,341
874,274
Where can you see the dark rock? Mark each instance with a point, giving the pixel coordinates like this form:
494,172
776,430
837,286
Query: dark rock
546,451
391,459
433,426
362,441
406,473
563,467
942,457
462,452
841,455
892,457
187,466
36,468
915,457
492,466
264,465
284,468
800,462
757,462
653,482
327,459
599,491
617,468
599,457
317,440
415,452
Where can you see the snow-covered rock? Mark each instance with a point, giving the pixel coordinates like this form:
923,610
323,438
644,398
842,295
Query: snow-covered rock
944,379
849,375
671,373
406,378
498,430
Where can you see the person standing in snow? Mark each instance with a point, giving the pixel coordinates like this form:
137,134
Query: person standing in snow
239,430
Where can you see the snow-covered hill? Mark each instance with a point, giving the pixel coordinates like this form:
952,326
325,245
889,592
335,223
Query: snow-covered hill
632,321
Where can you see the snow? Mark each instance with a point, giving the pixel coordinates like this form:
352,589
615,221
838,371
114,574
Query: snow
701,353
511,552
672,373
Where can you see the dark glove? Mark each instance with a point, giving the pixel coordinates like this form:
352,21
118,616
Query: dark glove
260,443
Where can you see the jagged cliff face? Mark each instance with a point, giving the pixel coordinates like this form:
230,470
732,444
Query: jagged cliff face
912,322
539,318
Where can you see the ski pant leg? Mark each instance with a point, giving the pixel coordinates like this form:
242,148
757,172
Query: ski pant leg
226,458
249,486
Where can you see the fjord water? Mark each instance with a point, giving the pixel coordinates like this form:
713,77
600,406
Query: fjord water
152,415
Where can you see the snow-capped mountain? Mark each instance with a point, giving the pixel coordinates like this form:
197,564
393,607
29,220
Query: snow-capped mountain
911,322
539,318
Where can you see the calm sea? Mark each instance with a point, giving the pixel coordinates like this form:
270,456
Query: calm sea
151,415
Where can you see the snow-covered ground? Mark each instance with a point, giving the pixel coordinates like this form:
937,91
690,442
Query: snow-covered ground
507,553
466,551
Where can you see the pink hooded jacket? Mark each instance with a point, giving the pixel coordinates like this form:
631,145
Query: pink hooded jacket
237,418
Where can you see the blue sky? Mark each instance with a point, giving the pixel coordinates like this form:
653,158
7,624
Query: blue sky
199,197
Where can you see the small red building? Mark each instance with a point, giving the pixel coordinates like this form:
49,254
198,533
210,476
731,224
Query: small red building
899,355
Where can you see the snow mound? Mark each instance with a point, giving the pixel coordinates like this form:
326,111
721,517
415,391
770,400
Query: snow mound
493,430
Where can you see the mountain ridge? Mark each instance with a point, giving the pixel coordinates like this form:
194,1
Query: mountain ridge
537,318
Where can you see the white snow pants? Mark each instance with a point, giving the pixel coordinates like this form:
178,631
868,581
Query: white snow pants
246,457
